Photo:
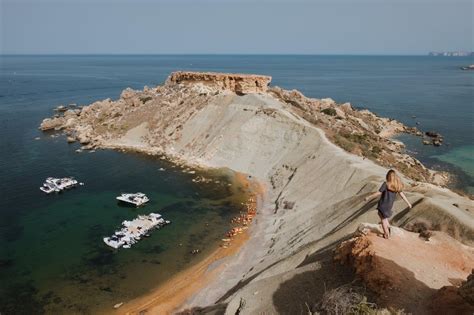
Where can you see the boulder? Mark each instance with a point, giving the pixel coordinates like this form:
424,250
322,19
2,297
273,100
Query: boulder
346,107
467,289
433,134
60,108
70,122
70,113
52,123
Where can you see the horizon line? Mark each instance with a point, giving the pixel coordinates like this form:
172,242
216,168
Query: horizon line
223,54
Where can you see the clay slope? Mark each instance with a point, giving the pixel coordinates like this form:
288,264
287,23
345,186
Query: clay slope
421,275
315,189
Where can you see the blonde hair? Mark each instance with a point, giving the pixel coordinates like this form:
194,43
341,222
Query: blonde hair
394,183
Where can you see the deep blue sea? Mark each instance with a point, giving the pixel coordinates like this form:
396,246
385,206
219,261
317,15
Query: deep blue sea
51,254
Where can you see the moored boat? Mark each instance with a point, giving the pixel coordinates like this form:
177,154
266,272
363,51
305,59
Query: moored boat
53,184
133,231
136,199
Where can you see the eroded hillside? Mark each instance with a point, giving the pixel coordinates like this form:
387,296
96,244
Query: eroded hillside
315,189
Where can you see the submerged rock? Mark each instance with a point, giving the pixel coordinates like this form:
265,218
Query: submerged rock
118,305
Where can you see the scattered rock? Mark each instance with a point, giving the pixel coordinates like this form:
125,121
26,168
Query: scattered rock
467,289
60,108
116,306
346,107
288,205
51,123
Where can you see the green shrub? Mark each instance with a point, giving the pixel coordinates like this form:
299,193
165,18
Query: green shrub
329,111
376,150
145,99
344,143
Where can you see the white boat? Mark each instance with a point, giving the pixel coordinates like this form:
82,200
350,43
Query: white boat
133,231
49,188
62,183
52,184
136,199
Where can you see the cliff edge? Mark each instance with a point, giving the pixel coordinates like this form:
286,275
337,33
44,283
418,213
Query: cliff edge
238,83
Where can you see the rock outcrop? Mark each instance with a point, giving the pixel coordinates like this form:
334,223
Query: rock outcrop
238,83
408,272
467,288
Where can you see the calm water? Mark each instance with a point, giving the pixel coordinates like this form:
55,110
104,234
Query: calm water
51,255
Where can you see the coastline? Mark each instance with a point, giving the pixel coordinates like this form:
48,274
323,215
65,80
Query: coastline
172,295
316,187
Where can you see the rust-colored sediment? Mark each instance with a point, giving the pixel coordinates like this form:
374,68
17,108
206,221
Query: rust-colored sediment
173,293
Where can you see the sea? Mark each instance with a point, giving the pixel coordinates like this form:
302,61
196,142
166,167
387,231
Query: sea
52,257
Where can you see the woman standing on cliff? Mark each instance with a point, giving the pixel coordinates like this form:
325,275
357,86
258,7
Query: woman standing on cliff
388,192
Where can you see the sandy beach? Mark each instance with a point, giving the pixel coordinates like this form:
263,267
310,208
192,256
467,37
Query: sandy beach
172,295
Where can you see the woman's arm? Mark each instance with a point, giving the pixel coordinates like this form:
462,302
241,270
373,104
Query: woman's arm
405,199
374,195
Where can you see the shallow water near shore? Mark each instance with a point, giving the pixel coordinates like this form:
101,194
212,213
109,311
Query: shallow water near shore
52,258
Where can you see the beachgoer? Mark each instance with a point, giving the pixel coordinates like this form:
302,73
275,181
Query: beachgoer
388,192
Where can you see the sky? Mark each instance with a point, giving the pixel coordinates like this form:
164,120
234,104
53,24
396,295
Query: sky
235,26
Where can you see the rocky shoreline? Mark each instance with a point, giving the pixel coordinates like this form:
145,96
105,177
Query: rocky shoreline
290,143
357,131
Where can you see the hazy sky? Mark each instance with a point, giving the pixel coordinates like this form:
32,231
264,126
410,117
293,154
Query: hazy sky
233,26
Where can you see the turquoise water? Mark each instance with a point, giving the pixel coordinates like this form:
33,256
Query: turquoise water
463,156
52,258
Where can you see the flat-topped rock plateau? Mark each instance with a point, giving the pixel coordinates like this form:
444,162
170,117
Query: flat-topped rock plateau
238,83
317,159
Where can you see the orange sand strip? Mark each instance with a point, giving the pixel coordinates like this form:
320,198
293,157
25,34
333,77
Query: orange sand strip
174,292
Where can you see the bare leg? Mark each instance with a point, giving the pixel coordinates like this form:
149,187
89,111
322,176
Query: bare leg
381,219
385,226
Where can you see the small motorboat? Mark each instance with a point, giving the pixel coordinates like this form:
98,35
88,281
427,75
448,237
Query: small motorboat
133,231
52,184
136,199
49,188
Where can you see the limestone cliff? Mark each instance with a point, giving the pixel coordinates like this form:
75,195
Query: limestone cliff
238,83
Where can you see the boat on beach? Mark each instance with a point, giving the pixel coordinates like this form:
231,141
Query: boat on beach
136,199
133,231
57,185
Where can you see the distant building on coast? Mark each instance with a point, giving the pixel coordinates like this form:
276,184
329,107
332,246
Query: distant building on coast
451,53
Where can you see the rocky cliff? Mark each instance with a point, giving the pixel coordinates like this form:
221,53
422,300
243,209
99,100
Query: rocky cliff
422,273
315,189
238,83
